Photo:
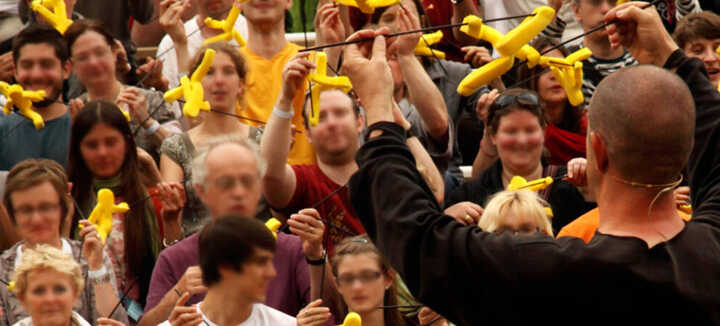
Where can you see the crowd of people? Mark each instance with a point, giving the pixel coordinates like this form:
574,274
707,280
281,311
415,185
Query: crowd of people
402,201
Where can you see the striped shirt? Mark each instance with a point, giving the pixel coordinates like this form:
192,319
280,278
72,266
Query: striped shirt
596,69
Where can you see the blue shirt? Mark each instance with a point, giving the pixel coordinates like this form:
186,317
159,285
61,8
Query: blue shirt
19,140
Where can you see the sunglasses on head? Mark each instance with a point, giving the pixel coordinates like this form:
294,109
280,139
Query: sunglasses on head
525,99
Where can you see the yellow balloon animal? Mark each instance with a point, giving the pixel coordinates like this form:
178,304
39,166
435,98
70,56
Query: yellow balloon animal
352,319
227,25
101,215
569,72
191,88
273,225
368,6
518,183
57,17
423,45
510,46
23,99
323,82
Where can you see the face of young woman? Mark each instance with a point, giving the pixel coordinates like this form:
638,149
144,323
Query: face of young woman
222,85
548,88
92,58
705,50
361,282
519,140
103,150
49,297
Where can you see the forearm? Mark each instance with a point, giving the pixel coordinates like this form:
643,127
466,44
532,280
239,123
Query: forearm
105,298
183,57
275,149
465,8
485,157
427,168
426,97
161,311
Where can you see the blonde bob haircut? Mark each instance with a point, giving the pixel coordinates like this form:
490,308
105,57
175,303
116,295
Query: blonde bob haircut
46,257
515,203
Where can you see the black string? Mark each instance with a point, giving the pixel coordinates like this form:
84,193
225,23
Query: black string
425,29
561,44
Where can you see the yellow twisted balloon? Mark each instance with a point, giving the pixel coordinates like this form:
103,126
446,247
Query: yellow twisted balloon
191,88
17,96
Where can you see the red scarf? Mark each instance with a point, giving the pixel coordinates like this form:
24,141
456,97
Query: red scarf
565,145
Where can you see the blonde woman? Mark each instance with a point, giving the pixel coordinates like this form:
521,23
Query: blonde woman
48,282
517,211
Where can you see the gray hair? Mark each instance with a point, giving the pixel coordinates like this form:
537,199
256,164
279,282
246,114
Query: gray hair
199,171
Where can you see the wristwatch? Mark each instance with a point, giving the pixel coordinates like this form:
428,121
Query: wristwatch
317,262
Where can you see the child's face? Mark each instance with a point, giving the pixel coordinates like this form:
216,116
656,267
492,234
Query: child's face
706,50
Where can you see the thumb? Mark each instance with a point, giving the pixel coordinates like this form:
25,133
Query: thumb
378,50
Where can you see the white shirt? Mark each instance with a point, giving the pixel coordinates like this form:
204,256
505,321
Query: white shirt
77,320
9,6
504,8
261,315
166,52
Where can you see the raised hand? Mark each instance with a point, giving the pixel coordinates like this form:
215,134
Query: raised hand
308,225
92,248
184,316
313,314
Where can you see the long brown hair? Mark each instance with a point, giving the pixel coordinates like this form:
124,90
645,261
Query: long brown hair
361,245
137,227
572,115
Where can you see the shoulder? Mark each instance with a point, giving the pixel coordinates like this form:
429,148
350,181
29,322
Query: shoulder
288,242
181,251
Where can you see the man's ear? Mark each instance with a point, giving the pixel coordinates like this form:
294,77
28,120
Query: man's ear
600,154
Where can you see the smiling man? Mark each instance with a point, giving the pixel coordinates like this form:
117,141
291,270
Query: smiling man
41,63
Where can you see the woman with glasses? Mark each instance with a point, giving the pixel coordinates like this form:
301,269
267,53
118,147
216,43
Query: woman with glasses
515,125
38,202
366,284
94,63
103,155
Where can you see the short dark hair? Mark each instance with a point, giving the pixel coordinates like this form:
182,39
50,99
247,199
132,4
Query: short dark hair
230,241
307,107
697,25
40,34
496,112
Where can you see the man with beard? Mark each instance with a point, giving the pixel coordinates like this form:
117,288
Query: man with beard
335,139
41,62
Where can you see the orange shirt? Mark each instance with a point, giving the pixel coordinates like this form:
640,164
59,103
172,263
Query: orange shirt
264,84
584,227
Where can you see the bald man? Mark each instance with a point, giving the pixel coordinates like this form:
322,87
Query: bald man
643,263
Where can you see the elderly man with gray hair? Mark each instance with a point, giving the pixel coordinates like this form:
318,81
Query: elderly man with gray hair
226,174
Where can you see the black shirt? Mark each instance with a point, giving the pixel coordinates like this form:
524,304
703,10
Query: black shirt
479,278
566,201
